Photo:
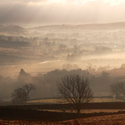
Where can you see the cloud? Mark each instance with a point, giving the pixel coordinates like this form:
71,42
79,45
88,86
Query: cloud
114,2
111,2
71,11
21,1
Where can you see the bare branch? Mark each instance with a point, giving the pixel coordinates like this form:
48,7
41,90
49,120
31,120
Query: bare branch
75,90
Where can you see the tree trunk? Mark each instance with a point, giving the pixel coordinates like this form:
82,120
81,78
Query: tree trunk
78,111
78,108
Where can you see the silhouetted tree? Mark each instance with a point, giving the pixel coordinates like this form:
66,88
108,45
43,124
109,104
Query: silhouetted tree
118,89
75,90
21,95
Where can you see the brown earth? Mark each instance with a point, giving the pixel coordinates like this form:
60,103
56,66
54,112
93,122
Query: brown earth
30,115
114,119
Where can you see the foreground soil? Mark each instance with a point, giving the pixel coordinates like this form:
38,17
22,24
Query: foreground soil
114,119
16,116
35,115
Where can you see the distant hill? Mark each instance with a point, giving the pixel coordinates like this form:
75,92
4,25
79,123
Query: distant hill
100,26
12,29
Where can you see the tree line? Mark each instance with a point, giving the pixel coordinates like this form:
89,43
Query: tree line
73,89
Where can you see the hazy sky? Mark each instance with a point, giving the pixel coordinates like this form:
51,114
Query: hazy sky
61,11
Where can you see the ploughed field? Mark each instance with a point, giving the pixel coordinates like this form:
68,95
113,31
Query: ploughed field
36,114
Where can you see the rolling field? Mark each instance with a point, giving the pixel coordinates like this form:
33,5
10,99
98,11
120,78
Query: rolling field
106,113
54,101
49,118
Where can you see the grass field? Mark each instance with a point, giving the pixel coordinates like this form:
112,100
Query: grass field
35,115
54,101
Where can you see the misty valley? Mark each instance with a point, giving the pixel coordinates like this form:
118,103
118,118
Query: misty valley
62,62
47,53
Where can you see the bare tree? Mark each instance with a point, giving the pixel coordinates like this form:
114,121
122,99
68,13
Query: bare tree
21,95
75,90
118,89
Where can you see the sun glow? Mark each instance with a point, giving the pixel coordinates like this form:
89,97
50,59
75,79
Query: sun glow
114,2
77,2
64,2
111,2
57,1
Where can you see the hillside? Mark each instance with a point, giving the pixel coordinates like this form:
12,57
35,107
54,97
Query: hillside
12,29
105,26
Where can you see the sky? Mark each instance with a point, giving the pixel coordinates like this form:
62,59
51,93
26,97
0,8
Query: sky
62,11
